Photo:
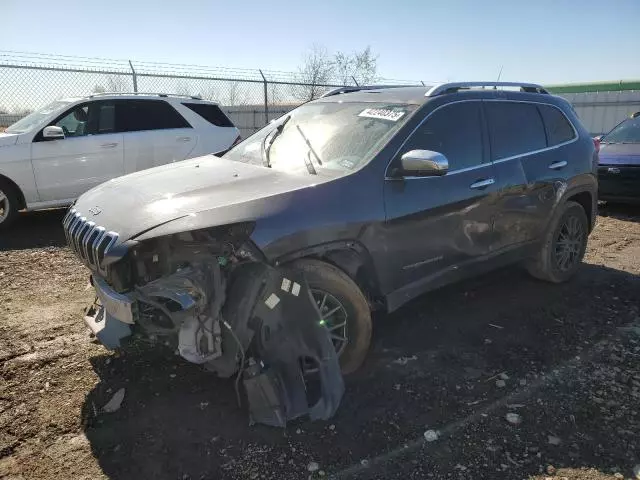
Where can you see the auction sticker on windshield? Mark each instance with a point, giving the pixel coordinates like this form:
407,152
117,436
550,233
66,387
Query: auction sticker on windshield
382,114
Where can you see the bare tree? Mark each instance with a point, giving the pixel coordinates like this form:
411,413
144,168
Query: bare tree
98,89
116,83
317,69
361,67
236,94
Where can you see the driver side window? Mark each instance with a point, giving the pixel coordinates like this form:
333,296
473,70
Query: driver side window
454,130
74,124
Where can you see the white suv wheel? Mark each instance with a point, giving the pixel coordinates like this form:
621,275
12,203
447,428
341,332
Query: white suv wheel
5,206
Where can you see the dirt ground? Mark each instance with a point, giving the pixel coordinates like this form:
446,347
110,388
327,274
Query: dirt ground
561,362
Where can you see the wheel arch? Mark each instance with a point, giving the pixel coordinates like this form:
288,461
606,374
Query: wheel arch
351,257
587,201
13,185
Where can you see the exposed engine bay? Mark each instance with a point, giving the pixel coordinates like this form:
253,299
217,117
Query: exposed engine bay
211,297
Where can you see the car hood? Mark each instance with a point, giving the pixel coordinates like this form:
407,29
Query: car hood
212,188
620,154
7,139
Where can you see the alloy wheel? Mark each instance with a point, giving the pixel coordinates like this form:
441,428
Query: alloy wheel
334,317
4,206
569,244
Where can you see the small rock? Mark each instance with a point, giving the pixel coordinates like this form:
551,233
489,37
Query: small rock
431,435
321,473
313,466
618,475
114,404
298,431
513,418
364,462
551,469
504,376
172,375
405,360
332,427
487,341
501,383
523,382
553,440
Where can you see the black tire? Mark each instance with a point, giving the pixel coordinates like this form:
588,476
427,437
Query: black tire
8,196
327,278
547,265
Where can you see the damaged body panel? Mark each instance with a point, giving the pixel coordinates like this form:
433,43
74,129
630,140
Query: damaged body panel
219,311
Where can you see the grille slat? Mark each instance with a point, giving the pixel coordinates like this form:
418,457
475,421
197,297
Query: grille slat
89,241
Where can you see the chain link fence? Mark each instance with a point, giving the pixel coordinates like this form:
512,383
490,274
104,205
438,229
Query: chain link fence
251,98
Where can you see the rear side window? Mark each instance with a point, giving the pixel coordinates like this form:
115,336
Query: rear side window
558,128
455,131
211,113
138,115
514,128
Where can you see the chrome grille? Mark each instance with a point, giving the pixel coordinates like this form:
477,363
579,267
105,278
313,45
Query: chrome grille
89,241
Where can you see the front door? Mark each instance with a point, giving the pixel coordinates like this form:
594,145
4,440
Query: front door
90,154
435,225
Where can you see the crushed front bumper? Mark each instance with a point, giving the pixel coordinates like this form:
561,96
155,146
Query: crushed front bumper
111,316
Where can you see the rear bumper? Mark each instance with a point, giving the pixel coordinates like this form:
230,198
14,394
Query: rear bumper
619,182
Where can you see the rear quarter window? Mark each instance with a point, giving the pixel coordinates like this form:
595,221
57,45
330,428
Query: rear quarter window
558,128
514,128
211,113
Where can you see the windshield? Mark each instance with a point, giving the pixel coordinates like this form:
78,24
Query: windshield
330,135
35,119
627,132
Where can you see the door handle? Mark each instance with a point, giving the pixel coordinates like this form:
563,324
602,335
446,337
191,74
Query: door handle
109,145
558,165
482,183
183,139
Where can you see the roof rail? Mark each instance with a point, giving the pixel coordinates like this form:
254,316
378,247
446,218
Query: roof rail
349,89
456,86
193,97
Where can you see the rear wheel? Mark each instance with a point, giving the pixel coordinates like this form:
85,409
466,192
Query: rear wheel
8,205
564,245
344,310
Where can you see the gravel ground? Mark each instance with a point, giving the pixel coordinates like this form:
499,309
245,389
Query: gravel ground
500,377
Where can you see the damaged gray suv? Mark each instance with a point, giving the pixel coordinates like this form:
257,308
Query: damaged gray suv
272,256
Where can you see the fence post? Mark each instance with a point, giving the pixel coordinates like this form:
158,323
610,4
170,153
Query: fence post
266,102
135,78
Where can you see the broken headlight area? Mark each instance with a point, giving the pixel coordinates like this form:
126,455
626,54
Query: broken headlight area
213,299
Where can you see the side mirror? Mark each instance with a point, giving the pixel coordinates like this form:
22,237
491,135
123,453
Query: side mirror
52,132
424,163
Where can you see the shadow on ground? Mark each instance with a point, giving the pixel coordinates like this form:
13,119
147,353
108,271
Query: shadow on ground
621,211
433,364
35,230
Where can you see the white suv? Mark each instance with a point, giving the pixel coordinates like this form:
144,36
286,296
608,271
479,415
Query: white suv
55,154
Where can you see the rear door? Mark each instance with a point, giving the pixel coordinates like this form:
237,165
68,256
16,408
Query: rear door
91,152
528,143
154,134
436,224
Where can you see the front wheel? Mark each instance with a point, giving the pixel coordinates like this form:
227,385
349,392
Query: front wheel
564,245
344,310
8,205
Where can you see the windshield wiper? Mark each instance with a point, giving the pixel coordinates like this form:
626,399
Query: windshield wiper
306,140
266,151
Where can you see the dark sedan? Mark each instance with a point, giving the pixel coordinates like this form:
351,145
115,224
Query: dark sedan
619,167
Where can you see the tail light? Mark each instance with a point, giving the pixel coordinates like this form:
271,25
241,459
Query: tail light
596,143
